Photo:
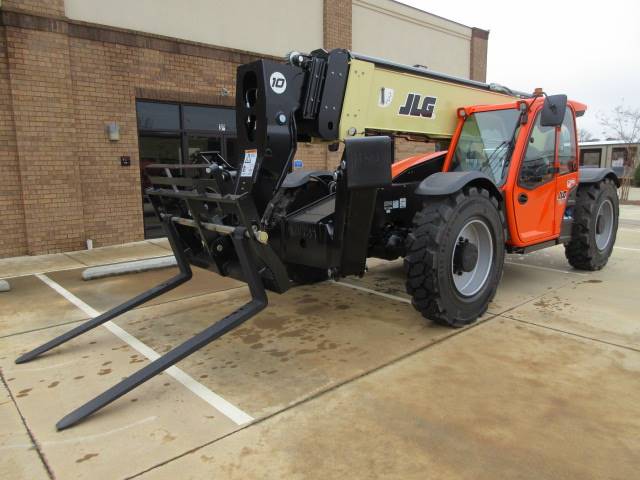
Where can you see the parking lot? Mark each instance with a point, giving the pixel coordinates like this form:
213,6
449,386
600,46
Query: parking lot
333,380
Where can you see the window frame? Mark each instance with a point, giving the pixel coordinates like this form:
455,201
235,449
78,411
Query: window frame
182,132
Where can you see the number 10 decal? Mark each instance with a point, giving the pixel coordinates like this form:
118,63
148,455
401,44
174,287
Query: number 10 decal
278,82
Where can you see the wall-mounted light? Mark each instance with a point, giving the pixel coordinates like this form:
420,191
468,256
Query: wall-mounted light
113,131
224,92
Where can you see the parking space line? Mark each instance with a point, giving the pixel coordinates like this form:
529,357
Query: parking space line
557,270
229,410
628,248
374,292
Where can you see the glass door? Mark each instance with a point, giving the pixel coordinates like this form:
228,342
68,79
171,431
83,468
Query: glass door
155,149
201,143
176,133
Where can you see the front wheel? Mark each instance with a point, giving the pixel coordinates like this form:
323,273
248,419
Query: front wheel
455,255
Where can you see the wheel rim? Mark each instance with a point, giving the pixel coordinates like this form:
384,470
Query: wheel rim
469,280
604,224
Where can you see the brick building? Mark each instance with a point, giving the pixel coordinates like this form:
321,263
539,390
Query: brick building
92,90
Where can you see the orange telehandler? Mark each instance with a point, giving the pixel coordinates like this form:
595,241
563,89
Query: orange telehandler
508,182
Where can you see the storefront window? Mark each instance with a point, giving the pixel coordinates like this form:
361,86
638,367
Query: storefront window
174,133
207,118
158,116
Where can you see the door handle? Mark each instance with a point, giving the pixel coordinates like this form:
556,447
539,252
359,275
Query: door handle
522,198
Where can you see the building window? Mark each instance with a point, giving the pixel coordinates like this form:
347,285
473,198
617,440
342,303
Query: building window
207,118
176,133
158,116
590,157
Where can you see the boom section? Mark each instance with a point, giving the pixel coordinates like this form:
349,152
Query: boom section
390,98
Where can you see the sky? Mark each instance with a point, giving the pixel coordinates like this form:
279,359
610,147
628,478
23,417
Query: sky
586,49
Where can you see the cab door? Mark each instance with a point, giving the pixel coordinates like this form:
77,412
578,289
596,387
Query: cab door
534,195
567,165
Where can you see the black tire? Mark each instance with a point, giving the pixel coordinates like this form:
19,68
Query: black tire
430,249
582,251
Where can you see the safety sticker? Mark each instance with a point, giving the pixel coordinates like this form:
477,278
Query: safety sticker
250,157
389,205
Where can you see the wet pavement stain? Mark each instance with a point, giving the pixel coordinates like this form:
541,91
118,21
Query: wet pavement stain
104,371
24,393
53,384
88,456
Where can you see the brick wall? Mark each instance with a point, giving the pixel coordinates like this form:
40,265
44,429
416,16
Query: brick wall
43,110
64,81
13,237
106,80
337,24
478,57
407,148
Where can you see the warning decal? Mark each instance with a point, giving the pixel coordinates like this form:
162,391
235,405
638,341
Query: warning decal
250,157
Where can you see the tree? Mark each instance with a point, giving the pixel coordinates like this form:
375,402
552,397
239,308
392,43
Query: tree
584,135
624,123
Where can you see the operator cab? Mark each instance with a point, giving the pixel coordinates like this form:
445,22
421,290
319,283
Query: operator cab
528,149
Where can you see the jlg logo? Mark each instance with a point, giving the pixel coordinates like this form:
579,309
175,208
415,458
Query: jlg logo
412,106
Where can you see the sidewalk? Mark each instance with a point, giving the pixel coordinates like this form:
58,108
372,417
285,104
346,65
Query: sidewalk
28,265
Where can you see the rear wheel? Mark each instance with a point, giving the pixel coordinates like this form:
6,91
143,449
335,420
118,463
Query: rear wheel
595,225
455,256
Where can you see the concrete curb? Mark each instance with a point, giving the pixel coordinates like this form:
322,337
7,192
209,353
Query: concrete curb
4,286
103,271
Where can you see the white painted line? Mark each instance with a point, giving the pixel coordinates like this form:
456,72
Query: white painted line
374,292
229,410
547,269
628,248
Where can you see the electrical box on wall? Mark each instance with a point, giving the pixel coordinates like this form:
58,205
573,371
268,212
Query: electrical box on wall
125,161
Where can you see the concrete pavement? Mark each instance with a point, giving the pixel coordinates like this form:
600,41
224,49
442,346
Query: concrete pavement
342,380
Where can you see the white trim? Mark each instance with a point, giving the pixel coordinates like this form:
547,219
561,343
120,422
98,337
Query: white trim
628,248
216,401
374,292
557,270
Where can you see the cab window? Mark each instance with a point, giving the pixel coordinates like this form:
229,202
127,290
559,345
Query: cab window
484,143
537,165
567,144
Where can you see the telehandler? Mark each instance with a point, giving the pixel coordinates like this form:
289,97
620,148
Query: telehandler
508,182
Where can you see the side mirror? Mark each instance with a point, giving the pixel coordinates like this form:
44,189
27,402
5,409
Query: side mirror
553,110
